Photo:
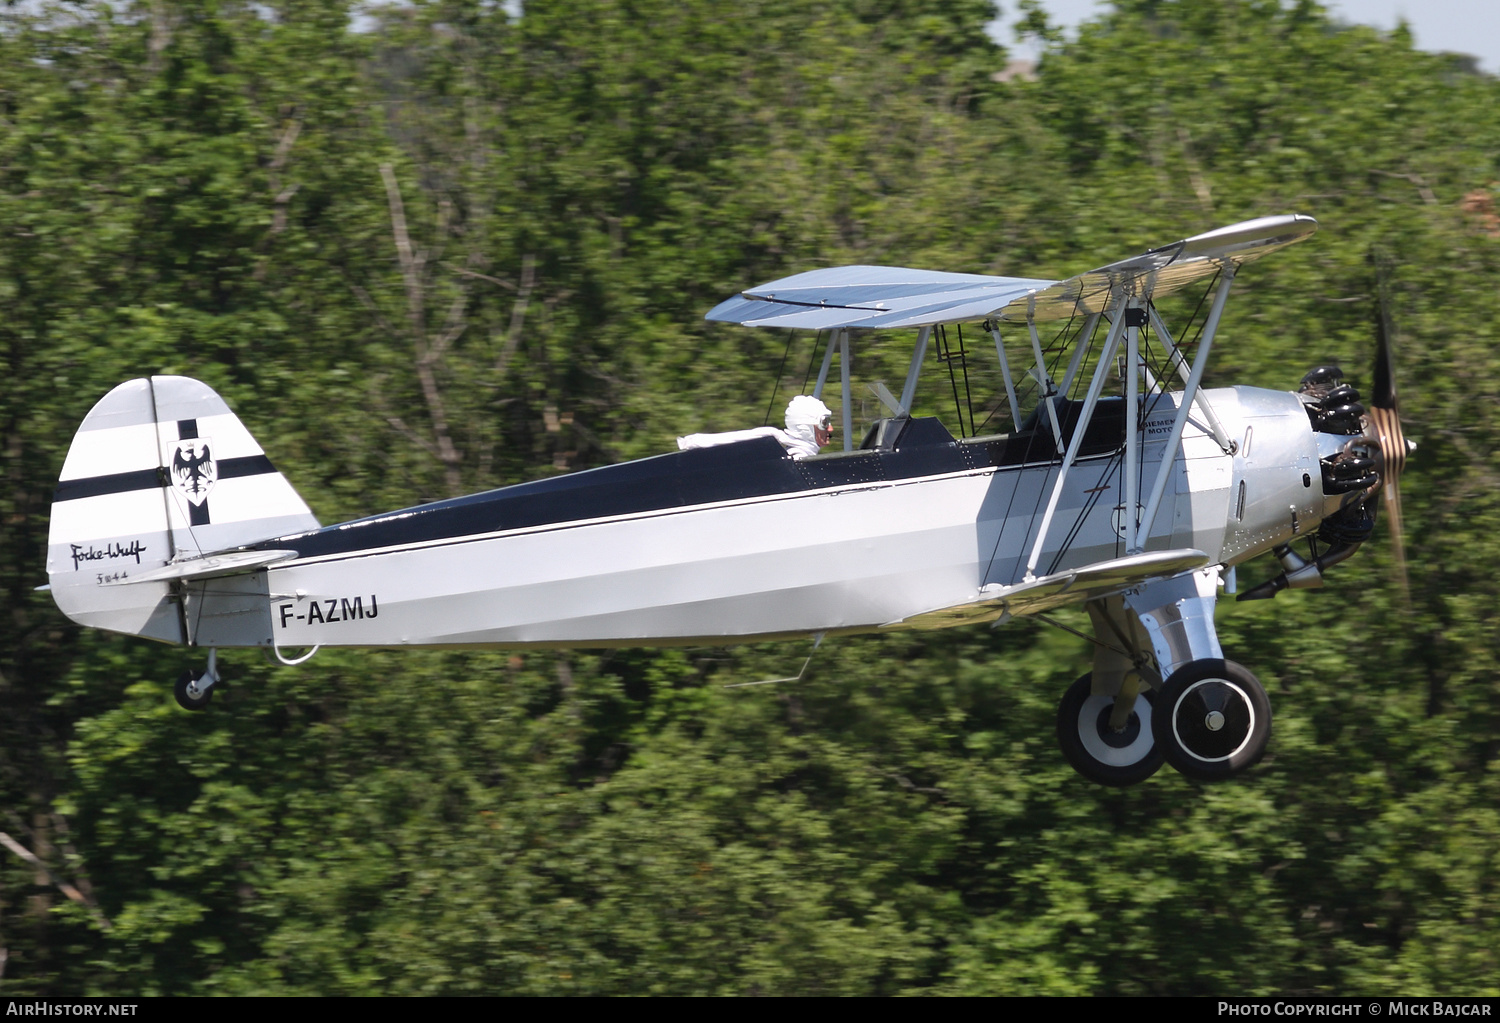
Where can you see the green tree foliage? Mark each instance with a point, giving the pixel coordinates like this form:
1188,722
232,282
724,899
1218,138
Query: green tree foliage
455,247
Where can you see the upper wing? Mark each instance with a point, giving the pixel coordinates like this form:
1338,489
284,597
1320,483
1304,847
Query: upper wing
889,296
1071,587
1164,270
873,296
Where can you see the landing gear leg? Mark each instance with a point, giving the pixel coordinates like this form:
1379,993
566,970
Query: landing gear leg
194,689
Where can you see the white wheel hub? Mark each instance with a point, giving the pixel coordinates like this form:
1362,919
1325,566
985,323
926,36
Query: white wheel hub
1133,752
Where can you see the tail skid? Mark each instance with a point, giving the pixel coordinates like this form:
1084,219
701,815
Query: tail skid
161,472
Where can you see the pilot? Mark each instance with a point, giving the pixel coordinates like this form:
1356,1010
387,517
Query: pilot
809,426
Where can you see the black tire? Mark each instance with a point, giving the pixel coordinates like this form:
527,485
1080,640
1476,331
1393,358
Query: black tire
1215,720
180,691
1096,752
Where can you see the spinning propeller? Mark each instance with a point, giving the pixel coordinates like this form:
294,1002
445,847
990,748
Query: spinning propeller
1385,442
1370,463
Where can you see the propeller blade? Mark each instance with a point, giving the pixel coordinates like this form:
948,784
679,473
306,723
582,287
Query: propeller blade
1384,431
1391,498
1383,389
1390,442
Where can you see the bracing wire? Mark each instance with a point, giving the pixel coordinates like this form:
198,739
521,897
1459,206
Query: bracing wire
963,364
1105,483
1113,466
1092,639
790,336
1168,365
946,355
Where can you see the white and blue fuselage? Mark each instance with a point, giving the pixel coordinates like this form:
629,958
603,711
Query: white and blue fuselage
742,542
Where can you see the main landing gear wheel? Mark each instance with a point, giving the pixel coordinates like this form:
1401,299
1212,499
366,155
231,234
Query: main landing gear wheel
1213,720
189,697
1098,752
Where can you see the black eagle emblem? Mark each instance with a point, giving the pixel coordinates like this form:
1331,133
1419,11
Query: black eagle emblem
194,470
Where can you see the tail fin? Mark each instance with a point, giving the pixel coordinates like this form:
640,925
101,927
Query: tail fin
160,470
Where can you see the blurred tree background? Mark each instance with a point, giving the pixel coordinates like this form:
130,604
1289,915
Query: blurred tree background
457,244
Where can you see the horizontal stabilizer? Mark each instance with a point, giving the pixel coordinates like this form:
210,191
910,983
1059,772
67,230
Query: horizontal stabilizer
1052,591
212,567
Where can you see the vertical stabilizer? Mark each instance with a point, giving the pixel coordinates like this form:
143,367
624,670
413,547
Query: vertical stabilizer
159,471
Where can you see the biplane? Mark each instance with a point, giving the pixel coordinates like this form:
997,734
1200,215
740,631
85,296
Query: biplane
170,522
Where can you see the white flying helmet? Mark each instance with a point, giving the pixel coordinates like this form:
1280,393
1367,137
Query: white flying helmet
803,413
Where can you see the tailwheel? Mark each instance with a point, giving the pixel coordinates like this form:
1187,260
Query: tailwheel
195,688
1098,752
190,695
1213,719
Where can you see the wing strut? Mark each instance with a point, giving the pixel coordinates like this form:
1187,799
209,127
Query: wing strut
1080,343
841,338
1175,358
1190,392
1106,357
1010,385
1043,378
845,395
827,362
909,391
1133,318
